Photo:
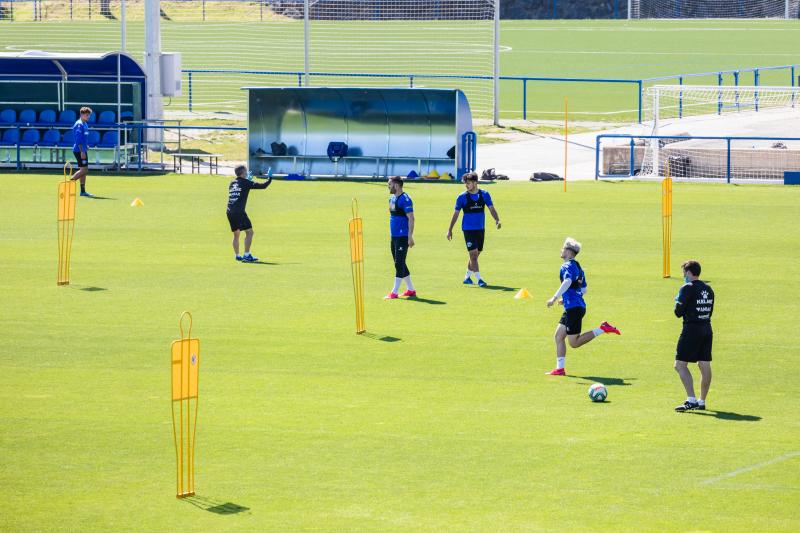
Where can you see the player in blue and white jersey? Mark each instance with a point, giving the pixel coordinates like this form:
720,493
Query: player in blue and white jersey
571,292
80,148
401,226
473,202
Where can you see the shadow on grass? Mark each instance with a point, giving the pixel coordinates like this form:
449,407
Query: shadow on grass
726,415
608,382
94,197
214,506
425,300
500,288
259,263
384,338
87,288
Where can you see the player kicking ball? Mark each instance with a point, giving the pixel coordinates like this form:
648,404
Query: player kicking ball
571,292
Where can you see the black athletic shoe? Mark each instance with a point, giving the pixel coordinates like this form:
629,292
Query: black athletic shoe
701,407
688,406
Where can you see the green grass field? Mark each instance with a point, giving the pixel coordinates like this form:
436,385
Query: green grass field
305,425
589,49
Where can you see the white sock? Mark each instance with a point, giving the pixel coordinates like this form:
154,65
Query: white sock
597,332
691,399
247,254
409,285
560,362
396,285
478,275
468,275
701,402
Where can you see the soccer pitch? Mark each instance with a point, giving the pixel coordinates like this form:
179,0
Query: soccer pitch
440,417
567,48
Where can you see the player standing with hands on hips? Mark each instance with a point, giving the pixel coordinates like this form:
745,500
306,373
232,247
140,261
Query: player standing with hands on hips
572,289
473,201
238,191
695,304
401,226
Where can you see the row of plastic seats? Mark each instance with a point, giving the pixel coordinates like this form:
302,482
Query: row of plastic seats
54,139
48,116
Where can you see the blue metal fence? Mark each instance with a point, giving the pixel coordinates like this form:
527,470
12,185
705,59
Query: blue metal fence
631,168
638,84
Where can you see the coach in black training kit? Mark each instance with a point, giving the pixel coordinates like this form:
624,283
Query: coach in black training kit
238,191
695,303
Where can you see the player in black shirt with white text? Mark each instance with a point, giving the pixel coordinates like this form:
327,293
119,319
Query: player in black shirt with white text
238,191
695,303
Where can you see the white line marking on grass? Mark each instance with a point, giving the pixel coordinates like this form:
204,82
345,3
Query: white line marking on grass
750,468
643,30
648,53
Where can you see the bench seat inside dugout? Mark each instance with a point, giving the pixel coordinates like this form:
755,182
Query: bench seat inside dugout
388,132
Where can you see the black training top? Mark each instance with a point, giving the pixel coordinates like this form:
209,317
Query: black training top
695,303
238,191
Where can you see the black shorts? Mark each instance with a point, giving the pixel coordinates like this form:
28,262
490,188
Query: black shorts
82,162
474,239
239,221
694,344
573,319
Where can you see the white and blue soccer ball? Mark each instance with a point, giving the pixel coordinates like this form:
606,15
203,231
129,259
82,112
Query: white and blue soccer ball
598,392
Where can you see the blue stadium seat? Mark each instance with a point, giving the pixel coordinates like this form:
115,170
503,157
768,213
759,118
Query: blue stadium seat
92,118
107,117
8,116
10,137
47,116
109,140
126,116
50,138
67,140
67,117
27,116
94,138
31,137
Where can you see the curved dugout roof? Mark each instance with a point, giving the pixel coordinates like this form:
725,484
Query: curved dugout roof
34,64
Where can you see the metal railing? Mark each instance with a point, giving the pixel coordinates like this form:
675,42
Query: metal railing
411,78
658,138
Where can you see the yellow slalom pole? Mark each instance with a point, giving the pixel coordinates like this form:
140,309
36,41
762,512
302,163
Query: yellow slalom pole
566,134
356,231
65,217
666,221
185,388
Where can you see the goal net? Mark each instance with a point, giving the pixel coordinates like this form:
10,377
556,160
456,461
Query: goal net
683,9
721,132
344,43
229,44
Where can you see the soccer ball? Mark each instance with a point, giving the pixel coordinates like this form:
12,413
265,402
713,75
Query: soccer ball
598,392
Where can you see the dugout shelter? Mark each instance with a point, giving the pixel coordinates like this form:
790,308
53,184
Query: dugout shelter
41,93
325,132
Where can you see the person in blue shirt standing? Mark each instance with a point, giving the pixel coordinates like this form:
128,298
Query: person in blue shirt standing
571,291
473,202
80,148
401,225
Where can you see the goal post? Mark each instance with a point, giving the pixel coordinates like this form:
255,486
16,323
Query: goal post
699,9
715,132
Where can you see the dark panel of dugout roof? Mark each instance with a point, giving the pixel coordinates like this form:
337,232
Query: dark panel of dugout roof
389,131
34,64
